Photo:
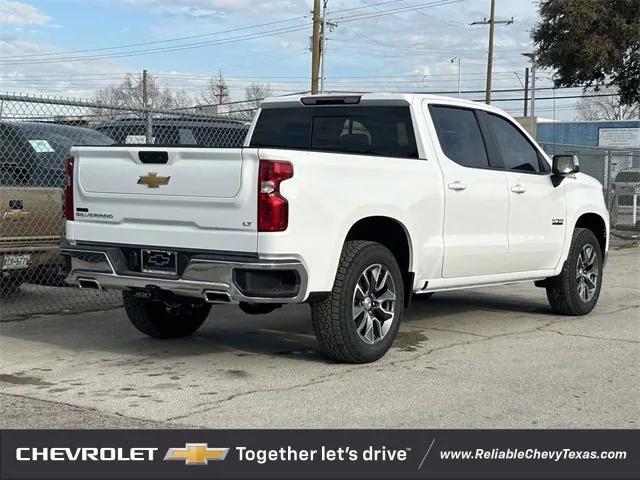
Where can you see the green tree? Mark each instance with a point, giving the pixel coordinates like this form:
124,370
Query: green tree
592,43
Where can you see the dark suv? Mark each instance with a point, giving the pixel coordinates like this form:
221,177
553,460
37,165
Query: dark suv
202,132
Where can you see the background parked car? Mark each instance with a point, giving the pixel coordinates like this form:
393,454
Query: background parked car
625,184
31,204
179,131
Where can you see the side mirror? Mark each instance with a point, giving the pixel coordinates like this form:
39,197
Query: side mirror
563,165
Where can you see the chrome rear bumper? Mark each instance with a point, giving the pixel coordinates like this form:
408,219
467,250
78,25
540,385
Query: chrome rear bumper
205,276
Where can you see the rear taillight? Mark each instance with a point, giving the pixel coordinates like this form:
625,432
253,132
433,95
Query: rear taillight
273,208
68,188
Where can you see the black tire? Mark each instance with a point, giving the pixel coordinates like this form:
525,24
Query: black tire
159,319
563,290
333,318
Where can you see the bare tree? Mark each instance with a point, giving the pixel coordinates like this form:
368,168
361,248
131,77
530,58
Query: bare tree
128,94
605,108
255,93
216,92
182,100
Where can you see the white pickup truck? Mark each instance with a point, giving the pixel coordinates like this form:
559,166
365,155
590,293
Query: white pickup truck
350,203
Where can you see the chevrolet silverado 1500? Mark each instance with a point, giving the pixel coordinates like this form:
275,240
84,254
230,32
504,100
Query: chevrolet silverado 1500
351,203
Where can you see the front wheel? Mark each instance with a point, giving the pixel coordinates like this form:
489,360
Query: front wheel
359,320
164,319
576,290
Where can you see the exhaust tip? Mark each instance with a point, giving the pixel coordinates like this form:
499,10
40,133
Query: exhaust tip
89,283
211,296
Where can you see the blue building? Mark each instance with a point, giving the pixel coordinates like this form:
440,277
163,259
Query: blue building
604,147
585,133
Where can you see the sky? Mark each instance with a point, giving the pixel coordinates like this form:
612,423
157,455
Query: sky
71,48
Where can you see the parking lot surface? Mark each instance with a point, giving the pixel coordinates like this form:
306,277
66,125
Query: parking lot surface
493,357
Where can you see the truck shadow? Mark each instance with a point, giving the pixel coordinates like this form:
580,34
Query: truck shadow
285,333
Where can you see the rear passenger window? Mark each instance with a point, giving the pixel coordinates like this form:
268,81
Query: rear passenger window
517,153
459,136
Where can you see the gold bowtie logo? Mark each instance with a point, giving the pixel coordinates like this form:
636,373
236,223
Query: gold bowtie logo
15,215
152,180
196,454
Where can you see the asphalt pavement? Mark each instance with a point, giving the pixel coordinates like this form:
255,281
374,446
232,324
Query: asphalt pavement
493,357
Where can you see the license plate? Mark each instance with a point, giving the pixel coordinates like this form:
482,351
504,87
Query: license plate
159,261
15,262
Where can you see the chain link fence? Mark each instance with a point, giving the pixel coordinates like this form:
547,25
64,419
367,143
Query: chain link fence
36,135
619,172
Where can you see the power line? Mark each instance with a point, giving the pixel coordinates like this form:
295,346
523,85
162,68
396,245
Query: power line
47,58
222,41
383,13
177,39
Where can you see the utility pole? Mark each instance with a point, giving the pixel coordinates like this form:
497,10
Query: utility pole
533,87
526,90
532,57
491,22
459,76
323,44
315,47
145,105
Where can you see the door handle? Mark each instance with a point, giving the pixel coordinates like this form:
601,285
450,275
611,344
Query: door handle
517,188
457,186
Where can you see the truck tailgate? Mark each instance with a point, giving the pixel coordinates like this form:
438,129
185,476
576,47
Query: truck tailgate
191,198
31,218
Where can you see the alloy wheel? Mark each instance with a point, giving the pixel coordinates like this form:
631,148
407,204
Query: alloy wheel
587,273
374,299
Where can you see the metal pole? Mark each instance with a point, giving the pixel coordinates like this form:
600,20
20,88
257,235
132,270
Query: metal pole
526,90
145,105
459,77
452,60
323,46
492,18
607,180
315,47
533,87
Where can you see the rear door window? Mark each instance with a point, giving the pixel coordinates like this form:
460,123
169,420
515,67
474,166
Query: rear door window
370,130
460,136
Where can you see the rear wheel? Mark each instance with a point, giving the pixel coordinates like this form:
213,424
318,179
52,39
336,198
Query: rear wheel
576,290
359,320
165,319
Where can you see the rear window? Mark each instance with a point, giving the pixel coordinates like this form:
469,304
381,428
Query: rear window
383,131
39,150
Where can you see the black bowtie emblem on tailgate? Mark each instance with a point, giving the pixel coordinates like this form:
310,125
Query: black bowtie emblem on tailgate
152,180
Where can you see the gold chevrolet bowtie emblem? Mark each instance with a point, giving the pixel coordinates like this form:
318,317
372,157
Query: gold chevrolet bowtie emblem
15,215
152,180
196,454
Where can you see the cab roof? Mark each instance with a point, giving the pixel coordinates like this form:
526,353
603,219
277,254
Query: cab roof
370,99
